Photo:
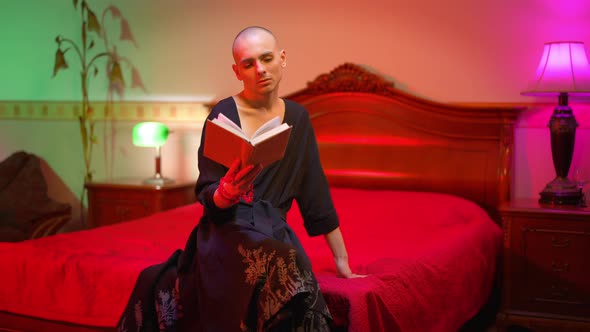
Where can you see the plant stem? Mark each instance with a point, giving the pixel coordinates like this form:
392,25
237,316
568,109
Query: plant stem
76,48
99,55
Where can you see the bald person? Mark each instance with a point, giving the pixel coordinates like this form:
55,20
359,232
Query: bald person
243,268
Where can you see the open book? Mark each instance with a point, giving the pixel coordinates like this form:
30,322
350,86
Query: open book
225,142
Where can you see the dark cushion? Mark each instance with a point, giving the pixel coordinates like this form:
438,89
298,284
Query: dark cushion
23,197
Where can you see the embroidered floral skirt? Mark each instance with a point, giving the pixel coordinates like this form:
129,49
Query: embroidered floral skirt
230,277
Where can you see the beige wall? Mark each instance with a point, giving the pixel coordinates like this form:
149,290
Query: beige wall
455,50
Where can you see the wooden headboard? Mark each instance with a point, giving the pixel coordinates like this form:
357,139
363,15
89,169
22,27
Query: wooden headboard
372,135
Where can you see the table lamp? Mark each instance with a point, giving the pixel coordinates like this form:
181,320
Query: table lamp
152,134
563,70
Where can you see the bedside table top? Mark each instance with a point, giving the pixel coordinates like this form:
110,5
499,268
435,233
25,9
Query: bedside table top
532,205
135,183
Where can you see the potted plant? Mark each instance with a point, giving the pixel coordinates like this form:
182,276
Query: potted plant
94,60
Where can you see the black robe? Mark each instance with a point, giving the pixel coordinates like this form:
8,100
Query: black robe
243,268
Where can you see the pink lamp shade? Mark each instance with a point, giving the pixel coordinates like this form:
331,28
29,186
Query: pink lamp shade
563,67
562,71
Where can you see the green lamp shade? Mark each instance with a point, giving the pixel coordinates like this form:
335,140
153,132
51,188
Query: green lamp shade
152,134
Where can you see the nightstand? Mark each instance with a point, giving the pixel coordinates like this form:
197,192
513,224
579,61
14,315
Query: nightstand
546,268
114,201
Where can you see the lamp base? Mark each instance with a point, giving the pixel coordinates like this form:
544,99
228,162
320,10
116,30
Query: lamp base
561,191
158,181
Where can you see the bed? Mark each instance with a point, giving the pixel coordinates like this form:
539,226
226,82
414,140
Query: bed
416,184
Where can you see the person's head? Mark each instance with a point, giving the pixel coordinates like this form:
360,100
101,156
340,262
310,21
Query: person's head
259,61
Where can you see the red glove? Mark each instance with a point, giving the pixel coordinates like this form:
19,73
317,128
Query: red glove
238,183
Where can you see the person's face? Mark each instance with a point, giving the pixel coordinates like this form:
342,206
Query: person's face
259,63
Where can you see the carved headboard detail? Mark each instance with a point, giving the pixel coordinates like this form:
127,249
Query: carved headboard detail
350,77
372,135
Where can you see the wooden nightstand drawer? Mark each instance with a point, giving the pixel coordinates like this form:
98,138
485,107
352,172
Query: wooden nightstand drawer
126,199
539,291
112,212
546,270
555,250
121,195
553,276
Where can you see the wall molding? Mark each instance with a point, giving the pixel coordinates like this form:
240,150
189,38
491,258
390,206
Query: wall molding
536,114
168,111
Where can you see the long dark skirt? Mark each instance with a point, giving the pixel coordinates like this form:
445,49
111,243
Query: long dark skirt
232,277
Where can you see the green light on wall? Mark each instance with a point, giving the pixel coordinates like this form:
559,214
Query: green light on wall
150,134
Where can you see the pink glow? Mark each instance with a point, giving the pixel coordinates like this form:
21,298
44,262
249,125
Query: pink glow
563,67
377,140
568,9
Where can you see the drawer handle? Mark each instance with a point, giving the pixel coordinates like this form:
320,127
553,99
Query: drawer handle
556,244
556,268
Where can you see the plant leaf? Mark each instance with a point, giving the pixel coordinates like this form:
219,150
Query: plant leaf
76,4
93,24
136,81
126,32
114,11
116,82
60,61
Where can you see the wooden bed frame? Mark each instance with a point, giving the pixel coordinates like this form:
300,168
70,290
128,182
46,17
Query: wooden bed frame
372,135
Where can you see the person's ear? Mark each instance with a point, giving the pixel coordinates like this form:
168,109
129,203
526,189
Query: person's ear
236,71
283,56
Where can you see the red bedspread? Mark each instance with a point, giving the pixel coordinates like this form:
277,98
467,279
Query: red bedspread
430,261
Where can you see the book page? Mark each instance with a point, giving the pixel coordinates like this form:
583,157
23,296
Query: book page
271,149
223,146
229,125
227,121
270,132
270,124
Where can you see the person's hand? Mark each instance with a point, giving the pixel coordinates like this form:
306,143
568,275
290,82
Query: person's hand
240,180
343,269
236,182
